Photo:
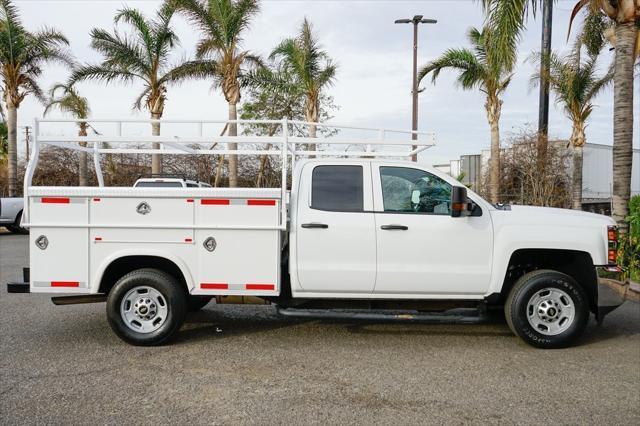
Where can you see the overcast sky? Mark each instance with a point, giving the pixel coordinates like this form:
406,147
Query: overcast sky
374,76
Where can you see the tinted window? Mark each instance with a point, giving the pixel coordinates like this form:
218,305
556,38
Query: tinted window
337,188
192,185
414,191
159,185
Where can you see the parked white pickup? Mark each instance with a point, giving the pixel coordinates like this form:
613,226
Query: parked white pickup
355,233
11,214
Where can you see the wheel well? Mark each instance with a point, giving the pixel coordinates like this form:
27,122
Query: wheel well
123,265
576,264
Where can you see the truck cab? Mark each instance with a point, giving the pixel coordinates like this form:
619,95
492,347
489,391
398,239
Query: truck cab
387,230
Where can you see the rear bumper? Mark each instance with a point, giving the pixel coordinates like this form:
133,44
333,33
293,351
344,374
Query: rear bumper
20,287
612,290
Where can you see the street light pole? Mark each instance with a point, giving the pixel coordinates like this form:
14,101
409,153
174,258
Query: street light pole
543,104
414,86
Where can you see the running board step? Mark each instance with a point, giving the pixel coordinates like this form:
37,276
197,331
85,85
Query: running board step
454,316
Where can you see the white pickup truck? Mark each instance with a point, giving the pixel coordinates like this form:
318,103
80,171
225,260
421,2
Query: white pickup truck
356,237
11,214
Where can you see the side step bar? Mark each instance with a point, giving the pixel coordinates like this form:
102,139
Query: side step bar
454,316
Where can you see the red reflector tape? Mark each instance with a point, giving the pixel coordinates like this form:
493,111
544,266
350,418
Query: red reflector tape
261,202
260,286
188,240
214,286
215,201
51,200
65,284
98,238
190,200
96,199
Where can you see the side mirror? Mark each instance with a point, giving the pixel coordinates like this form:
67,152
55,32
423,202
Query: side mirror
459,201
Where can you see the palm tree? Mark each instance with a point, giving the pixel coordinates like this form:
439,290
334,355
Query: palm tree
487,72
22,57
576,84
304,58
219,56
625,16
143,57
67,100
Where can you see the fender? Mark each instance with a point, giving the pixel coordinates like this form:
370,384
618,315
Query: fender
575,237
97,276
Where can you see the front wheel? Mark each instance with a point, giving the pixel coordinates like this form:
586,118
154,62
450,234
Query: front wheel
547,309
146,307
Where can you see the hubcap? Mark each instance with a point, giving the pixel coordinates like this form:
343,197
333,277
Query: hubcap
550,311
143,309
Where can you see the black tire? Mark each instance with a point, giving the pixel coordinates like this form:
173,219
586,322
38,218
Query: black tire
16,228
172,294
195,303
516,309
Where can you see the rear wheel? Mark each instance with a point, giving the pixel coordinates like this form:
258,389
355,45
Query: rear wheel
547,309
146,307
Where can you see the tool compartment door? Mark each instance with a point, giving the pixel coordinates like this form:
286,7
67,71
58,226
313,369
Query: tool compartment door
58,254
232,260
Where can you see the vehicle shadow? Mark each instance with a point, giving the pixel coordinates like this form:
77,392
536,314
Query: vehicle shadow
232,321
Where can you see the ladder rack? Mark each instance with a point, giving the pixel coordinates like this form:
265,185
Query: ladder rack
379,143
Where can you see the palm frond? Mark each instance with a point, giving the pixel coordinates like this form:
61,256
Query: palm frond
470,71
142,28
191,70
507,19
103,74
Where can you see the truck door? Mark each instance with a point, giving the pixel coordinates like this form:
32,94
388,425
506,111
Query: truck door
335,230
421,249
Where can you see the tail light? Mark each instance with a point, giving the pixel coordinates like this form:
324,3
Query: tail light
612,244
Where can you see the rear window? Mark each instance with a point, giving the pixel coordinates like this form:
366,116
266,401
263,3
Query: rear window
337,188
158,185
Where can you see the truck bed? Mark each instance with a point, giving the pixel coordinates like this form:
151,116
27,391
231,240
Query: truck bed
86,228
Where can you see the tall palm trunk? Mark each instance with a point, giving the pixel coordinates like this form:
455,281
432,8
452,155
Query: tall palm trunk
82,158
493,107
12,146
156,159
233,158
623,123
311,114
577,142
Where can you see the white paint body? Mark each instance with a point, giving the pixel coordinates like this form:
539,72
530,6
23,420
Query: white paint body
438,257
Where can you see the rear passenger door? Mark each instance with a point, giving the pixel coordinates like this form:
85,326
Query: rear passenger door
335,229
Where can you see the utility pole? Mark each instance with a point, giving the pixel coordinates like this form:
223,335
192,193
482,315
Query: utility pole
417,19
543,105
27,137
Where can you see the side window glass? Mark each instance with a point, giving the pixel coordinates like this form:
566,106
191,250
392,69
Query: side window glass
337,188
409,190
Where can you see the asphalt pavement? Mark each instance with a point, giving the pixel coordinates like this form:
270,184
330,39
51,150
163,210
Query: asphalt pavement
247,365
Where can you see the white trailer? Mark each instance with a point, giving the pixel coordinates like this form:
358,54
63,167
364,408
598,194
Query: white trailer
357,230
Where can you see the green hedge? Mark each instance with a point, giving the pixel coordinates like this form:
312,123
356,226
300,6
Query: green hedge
629,252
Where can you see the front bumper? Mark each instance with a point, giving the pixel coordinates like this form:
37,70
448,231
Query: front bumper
612,290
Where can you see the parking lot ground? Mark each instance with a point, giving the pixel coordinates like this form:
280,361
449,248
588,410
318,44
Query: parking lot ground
247,365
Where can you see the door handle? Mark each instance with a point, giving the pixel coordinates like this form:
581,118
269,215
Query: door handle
315,225
394,227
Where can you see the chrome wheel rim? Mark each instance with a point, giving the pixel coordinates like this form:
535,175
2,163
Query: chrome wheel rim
550,311
144,309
